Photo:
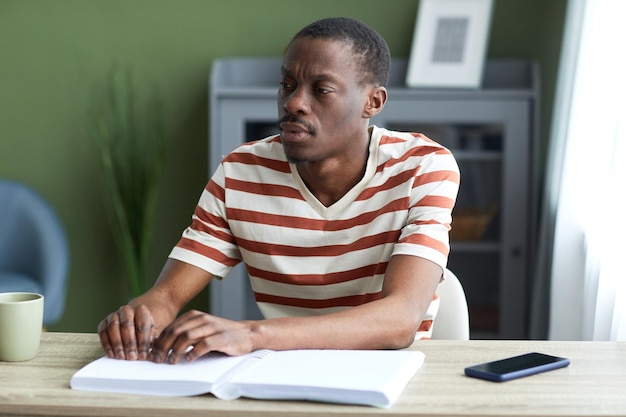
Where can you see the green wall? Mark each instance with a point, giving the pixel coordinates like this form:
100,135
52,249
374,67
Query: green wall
54,53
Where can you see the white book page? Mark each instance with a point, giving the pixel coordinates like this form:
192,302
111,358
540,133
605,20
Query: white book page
144,377
373,377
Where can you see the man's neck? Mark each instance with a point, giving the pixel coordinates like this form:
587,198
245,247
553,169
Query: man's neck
331,179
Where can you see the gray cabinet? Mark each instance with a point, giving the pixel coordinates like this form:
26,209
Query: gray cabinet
492,132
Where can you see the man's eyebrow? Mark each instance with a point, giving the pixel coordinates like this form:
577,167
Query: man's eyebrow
324,76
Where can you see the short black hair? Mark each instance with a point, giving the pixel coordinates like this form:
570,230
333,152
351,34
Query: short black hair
370,50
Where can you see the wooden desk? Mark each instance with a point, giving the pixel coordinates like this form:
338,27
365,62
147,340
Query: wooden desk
594,384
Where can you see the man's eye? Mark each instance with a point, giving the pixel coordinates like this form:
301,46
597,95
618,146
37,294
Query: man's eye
286,85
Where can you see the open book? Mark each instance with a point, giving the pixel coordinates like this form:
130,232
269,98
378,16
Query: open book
367,377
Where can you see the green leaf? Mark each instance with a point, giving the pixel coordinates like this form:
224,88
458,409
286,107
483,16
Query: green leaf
125,126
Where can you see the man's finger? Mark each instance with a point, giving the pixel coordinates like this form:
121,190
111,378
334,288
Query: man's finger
127,332
179,336
112,329
104,339
144,329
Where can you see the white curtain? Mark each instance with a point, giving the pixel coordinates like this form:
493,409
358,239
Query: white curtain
584,228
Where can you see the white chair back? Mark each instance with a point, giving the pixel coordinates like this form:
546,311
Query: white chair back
452,321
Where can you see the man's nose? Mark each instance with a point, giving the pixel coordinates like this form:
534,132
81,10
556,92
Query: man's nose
297,102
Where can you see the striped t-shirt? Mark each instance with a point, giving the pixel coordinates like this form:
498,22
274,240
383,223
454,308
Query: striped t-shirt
307,259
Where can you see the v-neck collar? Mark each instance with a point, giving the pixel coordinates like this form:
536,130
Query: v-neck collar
336,208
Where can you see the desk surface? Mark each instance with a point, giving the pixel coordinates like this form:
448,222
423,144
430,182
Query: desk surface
594,384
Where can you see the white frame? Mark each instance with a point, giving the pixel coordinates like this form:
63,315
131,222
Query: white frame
466,72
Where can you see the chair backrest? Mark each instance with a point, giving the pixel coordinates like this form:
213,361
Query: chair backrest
452,321
34,254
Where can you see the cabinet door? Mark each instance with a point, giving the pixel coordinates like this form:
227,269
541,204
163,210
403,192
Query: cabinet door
489,242
236,120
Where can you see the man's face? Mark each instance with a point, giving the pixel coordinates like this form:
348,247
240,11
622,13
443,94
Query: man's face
320,101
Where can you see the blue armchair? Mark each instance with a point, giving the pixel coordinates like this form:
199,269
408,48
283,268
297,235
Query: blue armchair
34,255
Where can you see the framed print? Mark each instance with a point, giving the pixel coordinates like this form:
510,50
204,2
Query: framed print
449,43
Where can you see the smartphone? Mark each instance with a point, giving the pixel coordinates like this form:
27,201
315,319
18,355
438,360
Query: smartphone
516,367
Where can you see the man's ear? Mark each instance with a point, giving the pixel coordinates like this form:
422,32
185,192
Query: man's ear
376,101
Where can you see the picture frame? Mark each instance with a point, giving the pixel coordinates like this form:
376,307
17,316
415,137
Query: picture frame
449,43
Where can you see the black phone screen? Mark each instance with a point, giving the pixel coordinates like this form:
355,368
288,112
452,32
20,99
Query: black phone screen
516,366
517,363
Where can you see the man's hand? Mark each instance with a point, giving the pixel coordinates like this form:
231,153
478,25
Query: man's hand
202,333
128,333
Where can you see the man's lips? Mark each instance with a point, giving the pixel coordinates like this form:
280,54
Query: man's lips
294,132
293,127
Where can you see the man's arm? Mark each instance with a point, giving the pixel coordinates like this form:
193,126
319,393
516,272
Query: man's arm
129,332
389,323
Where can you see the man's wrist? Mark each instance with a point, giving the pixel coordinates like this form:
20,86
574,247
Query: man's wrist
257,334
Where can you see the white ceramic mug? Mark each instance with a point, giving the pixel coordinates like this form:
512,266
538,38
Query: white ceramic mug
21,323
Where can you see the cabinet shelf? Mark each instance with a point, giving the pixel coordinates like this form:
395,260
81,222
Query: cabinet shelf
475,247
488,156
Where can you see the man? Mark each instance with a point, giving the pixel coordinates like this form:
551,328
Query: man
343,227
